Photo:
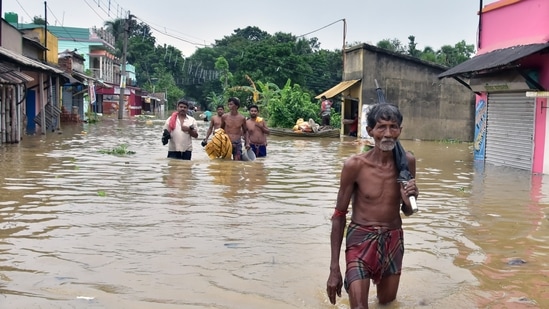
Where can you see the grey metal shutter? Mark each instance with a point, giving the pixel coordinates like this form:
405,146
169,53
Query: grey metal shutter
510,130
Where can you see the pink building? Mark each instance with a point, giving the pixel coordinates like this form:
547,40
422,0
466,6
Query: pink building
510,76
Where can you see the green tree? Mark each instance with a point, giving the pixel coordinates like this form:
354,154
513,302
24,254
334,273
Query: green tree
38,20
453,55
225,76
292,104
428,54
412,50
393,45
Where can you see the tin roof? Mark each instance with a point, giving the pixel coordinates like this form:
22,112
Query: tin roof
497,59
26,61
11,75
337,89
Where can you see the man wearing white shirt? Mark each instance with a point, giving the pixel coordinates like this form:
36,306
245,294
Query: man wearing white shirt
182,128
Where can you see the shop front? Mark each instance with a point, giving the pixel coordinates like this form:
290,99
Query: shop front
109,99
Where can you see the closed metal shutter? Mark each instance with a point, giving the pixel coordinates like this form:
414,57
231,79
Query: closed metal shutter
510,130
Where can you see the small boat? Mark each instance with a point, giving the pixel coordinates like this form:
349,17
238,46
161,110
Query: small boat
291,133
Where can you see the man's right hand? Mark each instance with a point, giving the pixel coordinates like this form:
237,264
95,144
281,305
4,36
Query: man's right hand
334,285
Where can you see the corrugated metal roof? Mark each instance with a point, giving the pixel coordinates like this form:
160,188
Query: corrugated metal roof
86,79
26,61
337,89
82,77
69,79
12,75
494,59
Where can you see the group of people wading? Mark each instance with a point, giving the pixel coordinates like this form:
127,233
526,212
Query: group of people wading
244,134
374,238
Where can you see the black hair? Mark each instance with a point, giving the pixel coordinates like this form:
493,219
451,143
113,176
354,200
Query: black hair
384,111
253,106
183,101
235,100
220,106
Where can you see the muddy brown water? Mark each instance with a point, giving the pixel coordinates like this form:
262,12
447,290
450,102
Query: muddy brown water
83,229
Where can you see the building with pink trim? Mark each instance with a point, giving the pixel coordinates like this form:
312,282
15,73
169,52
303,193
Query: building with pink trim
510,77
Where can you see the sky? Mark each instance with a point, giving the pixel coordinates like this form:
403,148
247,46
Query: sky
189,25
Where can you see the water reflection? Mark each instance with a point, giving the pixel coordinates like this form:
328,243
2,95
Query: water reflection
79,228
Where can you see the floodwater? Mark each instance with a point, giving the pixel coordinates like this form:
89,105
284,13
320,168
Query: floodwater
84,229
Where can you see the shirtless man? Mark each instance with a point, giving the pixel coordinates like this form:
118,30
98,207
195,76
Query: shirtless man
234,125
374,241
215,123
257,132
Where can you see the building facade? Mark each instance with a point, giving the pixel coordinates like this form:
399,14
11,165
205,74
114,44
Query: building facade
510,77
433,109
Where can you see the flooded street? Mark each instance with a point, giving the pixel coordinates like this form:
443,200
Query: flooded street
84,229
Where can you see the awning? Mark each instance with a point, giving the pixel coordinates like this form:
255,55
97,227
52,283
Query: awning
12,75
337,89
82,77
497,59
87,79
26,61
69,79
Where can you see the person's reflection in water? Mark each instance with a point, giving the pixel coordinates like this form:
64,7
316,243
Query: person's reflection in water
238,179
179,175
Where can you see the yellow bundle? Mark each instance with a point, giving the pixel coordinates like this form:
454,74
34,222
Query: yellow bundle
220,146
258,119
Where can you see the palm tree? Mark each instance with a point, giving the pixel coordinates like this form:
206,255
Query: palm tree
116,28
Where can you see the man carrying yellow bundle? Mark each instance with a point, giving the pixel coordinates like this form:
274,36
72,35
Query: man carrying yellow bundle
234,125
220,146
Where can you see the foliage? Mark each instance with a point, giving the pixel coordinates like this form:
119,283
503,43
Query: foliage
225,76
447,55
335,120
252,64
292,104
121,150
38,20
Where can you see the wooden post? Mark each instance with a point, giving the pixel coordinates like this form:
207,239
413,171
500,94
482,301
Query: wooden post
42,104
51,100
19,98
59,92
3,115
13,117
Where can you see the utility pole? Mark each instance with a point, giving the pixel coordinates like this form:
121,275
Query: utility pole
2,13
343,48
123,74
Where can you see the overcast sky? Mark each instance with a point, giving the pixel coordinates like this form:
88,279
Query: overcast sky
188,25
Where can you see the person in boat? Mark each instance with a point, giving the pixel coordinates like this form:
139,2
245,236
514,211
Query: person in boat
215,123
325,110
257,132
179,129
374,238
234,125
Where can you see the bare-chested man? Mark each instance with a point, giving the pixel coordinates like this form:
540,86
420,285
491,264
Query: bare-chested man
215,123
234,125
374,240
257,132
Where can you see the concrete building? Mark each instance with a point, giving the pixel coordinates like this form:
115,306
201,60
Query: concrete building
433,109
29,86
510,77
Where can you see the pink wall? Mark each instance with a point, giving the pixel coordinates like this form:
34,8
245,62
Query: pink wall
521,23
539,136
